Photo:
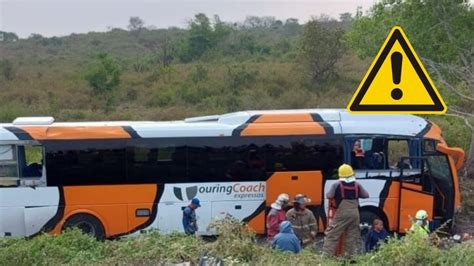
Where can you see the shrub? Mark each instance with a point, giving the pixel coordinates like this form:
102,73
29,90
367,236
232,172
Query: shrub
236,241
104,75
6,69
235,245
70,247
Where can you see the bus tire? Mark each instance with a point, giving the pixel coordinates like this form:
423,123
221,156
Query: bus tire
88,224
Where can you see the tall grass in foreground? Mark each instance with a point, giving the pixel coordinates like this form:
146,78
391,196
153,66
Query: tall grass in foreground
236,245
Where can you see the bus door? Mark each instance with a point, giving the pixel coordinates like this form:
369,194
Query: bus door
443,171
309,183
26,204
416,190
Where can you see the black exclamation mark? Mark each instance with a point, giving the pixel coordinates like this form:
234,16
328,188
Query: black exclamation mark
396,59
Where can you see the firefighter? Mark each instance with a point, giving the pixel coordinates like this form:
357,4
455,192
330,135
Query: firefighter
346,193
303,221
276,215
420,225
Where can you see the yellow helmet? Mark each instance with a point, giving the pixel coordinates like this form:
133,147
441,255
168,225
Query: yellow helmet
345,171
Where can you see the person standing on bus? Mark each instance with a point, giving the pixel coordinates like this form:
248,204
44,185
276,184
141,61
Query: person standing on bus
346,193
276,215
189,217
303,221
420,226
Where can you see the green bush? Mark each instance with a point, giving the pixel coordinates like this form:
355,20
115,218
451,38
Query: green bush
235,245
104,75
71,247
6,69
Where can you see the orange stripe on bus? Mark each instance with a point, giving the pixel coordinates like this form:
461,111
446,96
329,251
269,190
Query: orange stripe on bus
283,129
292,183
410,203
258,223
284,118
69,133
113,205
412,186
390,207
434,133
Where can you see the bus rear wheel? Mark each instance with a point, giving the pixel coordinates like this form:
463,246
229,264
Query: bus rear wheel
88,224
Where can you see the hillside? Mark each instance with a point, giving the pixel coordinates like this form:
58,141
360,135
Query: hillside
254,67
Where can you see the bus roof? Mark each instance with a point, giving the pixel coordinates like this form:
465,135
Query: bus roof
244,123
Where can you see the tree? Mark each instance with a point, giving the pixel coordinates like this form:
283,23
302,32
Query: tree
203,35
6,69
320,49
346,20
8,36
442,33
104,75
259,22
135,25
200,39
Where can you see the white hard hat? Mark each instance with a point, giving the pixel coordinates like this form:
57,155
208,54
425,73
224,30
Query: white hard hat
421,215
283,198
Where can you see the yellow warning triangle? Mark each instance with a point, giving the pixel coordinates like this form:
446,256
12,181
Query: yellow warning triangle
397,82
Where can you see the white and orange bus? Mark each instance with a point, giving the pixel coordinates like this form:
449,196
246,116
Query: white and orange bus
117,178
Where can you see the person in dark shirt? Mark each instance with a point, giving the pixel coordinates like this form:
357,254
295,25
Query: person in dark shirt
376,234
189,217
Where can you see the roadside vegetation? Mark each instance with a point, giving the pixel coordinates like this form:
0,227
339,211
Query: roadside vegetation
236,245
214,67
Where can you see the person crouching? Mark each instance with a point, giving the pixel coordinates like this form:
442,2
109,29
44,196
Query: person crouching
286,240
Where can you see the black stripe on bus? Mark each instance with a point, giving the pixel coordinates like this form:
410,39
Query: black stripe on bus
154,212
260,209
133,134
53,222
239,129
384,193
19,133
327,127
425,130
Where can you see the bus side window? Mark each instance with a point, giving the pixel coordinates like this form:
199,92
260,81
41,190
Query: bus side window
304,154
30,160
396,150
368,153
429,146
8,165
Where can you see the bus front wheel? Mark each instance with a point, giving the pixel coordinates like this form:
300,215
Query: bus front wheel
88,224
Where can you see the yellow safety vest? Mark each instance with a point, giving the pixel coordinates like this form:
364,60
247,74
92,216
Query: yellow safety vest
420,229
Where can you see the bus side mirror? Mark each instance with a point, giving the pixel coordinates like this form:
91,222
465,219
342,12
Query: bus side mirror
456,153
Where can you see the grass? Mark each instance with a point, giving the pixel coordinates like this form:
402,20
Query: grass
236,245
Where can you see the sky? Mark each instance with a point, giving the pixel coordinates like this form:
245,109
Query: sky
63,17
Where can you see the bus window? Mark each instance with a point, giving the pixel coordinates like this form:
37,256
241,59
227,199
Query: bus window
368,153
379,153
304,154
443,182
225,159
86,163
8,165
429,146
30,159
397,149
163,163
